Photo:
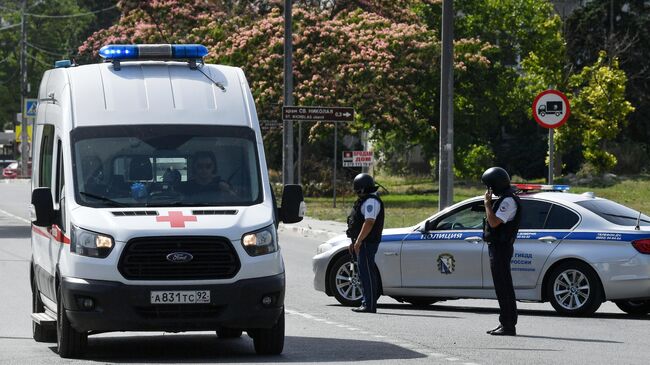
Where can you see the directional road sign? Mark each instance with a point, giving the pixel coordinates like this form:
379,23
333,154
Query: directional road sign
551,109
318,113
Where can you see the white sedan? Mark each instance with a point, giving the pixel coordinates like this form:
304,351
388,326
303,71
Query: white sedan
573,250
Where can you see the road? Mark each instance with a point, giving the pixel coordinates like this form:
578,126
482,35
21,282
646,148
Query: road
319,330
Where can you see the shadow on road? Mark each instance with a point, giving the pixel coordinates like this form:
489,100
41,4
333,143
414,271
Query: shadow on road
209,349
526,312
570,339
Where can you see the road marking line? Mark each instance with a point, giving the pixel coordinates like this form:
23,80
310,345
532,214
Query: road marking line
396,342
15,216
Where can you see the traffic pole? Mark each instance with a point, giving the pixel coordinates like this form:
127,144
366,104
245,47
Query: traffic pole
24,137
551,152
446,154
287,130
336,134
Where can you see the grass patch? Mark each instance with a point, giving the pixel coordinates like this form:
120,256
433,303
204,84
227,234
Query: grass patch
410,201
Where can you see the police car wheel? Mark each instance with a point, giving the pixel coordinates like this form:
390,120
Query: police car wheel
40,333
634,307
269,341
574,289
229,333
70,343
344,281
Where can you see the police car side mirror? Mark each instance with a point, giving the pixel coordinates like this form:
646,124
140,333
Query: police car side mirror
430,225
293,204
43,206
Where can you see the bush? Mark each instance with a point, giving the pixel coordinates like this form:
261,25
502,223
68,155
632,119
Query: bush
474,161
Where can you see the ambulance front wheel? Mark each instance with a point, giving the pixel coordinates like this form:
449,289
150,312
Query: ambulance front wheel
70,343
269,341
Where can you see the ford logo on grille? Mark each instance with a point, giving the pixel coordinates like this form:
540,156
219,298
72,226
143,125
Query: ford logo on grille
180,257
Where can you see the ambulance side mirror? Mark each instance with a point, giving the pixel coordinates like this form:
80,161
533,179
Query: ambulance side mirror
43,206
293,204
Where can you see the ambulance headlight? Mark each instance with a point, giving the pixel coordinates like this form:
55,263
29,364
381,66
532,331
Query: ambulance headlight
260,242
92,244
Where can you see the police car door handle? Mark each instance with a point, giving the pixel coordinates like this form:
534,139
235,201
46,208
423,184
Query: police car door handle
391,253
547,239
474,239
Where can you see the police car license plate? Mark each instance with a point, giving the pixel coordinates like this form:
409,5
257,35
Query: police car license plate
180,297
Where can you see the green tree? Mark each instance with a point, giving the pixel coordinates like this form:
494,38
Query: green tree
55,29
601,109
624,35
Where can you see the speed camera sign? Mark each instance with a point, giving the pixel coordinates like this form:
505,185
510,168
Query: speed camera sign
551,109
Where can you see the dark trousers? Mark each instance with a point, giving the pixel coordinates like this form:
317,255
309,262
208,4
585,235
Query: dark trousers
368,275
500,256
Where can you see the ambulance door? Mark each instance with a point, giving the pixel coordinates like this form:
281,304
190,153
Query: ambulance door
59,240
41,237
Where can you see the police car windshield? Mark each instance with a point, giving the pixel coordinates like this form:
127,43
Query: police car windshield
614,212
163,165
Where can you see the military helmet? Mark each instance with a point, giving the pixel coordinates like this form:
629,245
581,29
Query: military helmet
496,179
364,184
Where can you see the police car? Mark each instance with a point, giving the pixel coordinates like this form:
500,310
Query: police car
572,250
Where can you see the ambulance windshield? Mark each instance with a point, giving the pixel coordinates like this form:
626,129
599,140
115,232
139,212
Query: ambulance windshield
163,165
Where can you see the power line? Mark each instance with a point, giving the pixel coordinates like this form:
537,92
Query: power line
51,52
37,60
11,26
70,15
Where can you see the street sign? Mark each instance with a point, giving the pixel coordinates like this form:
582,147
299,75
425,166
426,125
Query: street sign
268,124
551,109
357,158
318,113
30,107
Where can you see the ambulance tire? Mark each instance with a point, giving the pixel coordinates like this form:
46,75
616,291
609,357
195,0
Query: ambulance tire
634,307
40,333
70,343
269,341
584,282
229,332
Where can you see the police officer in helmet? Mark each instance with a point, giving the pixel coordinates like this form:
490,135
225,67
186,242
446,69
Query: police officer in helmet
365,224
499,231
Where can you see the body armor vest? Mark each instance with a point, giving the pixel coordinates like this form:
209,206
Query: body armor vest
356,220
504,233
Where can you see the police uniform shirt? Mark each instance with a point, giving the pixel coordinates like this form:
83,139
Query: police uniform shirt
507,210
370,208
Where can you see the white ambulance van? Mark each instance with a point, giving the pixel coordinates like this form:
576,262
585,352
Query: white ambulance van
151,201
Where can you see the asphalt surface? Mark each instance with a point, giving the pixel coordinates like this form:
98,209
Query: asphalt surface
319,330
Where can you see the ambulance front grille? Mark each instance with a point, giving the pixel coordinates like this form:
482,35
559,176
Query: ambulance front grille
146,258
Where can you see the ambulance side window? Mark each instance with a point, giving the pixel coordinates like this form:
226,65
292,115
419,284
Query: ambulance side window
45,165
59,173
60,182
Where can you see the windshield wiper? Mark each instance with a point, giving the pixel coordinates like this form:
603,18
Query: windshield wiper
104,199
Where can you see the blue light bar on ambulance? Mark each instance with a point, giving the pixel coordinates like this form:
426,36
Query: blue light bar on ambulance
541,187
153,51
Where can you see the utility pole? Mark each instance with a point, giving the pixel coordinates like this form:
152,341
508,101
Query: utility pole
446,155
287,130
24,137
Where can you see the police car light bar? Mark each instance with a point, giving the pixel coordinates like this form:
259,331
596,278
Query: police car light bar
116,52
541,187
